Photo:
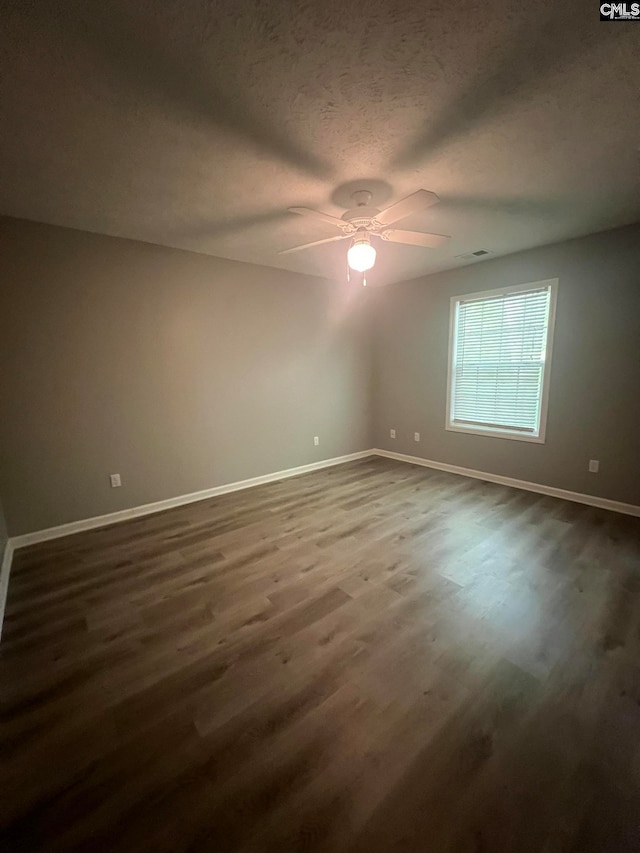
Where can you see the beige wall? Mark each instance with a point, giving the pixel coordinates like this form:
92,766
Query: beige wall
179,371
182,372
594,404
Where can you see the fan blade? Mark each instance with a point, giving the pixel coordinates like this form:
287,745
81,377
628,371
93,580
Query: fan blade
315,243
317,214
414,238
420,200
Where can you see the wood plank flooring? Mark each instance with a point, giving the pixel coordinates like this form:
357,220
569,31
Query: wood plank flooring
372,657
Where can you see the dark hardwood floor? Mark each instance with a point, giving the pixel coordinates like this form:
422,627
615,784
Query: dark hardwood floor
372,657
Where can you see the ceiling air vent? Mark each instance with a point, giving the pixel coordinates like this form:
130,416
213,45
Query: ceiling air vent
469,256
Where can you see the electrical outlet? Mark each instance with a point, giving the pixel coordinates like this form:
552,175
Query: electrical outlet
416,436
316,440
115,480
392,433
594,466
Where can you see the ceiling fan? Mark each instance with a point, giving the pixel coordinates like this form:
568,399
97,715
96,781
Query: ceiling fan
363,222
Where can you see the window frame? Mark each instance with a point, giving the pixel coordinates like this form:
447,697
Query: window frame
539,437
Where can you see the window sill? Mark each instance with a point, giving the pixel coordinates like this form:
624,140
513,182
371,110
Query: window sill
496,433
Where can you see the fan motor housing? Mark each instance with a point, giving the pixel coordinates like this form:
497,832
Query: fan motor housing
360,217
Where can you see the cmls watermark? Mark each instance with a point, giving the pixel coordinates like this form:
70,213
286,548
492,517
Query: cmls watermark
620,11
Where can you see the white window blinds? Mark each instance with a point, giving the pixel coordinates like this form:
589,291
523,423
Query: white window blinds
498,355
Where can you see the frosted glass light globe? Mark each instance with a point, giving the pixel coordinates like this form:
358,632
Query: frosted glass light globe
361,256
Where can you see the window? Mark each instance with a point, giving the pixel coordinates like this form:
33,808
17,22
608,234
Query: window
499,361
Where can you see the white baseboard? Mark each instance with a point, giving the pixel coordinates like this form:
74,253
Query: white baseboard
16,542
158,506
36,536
5,570
551,491
57,532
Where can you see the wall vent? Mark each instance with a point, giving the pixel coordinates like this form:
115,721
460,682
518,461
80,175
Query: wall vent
470,256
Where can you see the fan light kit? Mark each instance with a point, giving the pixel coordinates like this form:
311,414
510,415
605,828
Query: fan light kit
361,255
363,222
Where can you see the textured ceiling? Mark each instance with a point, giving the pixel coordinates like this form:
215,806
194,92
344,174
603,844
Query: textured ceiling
196,124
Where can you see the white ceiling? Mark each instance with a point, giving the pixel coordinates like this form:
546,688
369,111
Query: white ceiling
196,124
